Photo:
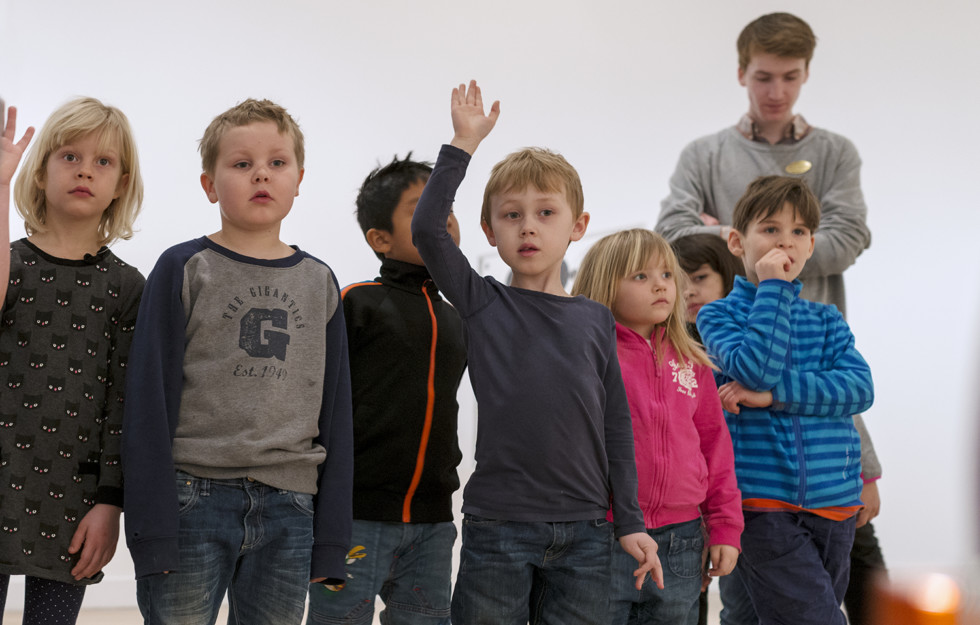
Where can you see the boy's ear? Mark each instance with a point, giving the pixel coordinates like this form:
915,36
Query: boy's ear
741,76
580,226
487,230
301,172
735,243
208,185
379,240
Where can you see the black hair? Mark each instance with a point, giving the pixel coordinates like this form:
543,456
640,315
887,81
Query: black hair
383,187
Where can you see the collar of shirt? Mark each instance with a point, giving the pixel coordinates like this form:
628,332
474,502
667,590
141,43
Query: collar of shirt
795,131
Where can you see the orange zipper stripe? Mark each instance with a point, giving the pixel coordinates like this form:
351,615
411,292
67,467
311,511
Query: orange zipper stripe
429,407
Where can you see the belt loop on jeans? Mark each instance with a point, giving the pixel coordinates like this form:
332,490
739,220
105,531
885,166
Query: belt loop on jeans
205,486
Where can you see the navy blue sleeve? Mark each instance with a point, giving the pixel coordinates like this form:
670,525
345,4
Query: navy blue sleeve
447,265
153,390
627,517
333,506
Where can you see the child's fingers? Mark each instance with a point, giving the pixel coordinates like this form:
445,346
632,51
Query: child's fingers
656,571
28,134
494,111
95,555
641,573
83,568
77,539
10,127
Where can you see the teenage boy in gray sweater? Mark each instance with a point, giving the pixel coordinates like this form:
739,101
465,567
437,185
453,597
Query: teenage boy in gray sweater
774,53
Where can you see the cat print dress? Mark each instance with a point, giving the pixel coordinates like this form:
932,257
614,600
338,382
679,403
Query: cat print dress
65,330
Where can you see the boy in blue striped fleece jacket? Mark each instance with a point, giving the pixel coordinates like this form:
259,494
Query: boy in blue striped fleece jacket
790,379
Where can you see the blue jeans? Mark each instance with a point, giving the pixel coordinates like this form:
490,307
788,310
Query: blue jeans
680,548
408,564
253,540
513,572
795,566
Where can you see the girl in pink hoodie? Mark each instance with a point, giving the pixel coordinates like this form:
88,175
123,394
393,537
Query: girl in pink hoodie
684,460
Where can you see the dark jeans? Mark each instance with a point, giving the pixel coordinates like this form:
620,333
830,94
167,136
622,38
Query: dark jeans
408,564
795,566
867,564
544,572
680,546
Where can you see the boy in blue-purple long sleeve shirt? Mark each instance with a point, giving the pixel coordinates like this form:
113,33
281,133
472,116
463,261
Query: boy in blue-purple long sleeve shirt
554,440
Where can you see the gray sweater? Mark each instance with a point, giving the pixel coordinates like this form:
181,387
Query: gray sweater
239,369
714,171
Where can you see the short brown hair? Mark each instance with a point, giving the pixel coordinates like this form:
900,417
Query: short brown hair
545,170
782,34
248,112
767,195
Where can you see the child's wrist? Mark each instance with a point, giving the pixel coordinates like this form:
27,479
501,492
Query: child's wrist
466,144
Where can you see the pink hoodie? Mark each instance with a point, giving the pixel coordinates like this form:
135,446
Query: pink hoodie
684,457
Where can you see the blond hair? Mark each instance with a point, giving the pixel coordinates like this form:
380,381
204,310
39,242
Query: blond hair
781,34
618,255
73,120
543,169
242,114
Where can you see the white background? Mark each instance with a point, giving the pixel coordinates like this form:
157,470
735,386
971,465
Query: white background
617,87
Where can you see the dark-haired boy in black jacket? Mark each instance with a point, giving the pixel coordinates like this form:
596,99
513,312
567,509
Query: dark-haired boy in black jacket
407,356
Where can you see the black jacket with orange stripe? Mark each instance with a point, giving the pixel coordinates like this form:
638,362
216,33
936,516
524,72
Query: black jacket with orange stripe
407,356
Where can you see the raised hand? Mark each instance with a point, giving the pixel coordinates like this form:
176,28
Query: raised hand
470,124
10,152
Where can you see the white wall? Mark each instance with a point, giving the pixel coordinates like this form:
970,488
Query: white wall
619,88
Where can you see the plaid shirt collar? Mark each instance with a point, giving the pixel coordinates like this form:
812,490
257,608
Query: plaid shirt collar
795,131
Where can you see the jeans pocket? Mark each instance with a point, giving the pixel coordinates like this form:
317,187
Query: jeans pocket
188,491
302,502
684,555
479,521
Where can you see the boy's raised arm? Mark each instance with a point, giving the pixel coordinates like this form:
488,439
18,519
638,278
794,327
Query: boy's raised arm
10,153
470,124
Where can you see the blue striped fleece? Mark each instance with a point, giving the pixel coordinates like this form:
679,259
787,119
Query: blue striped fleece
803,449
